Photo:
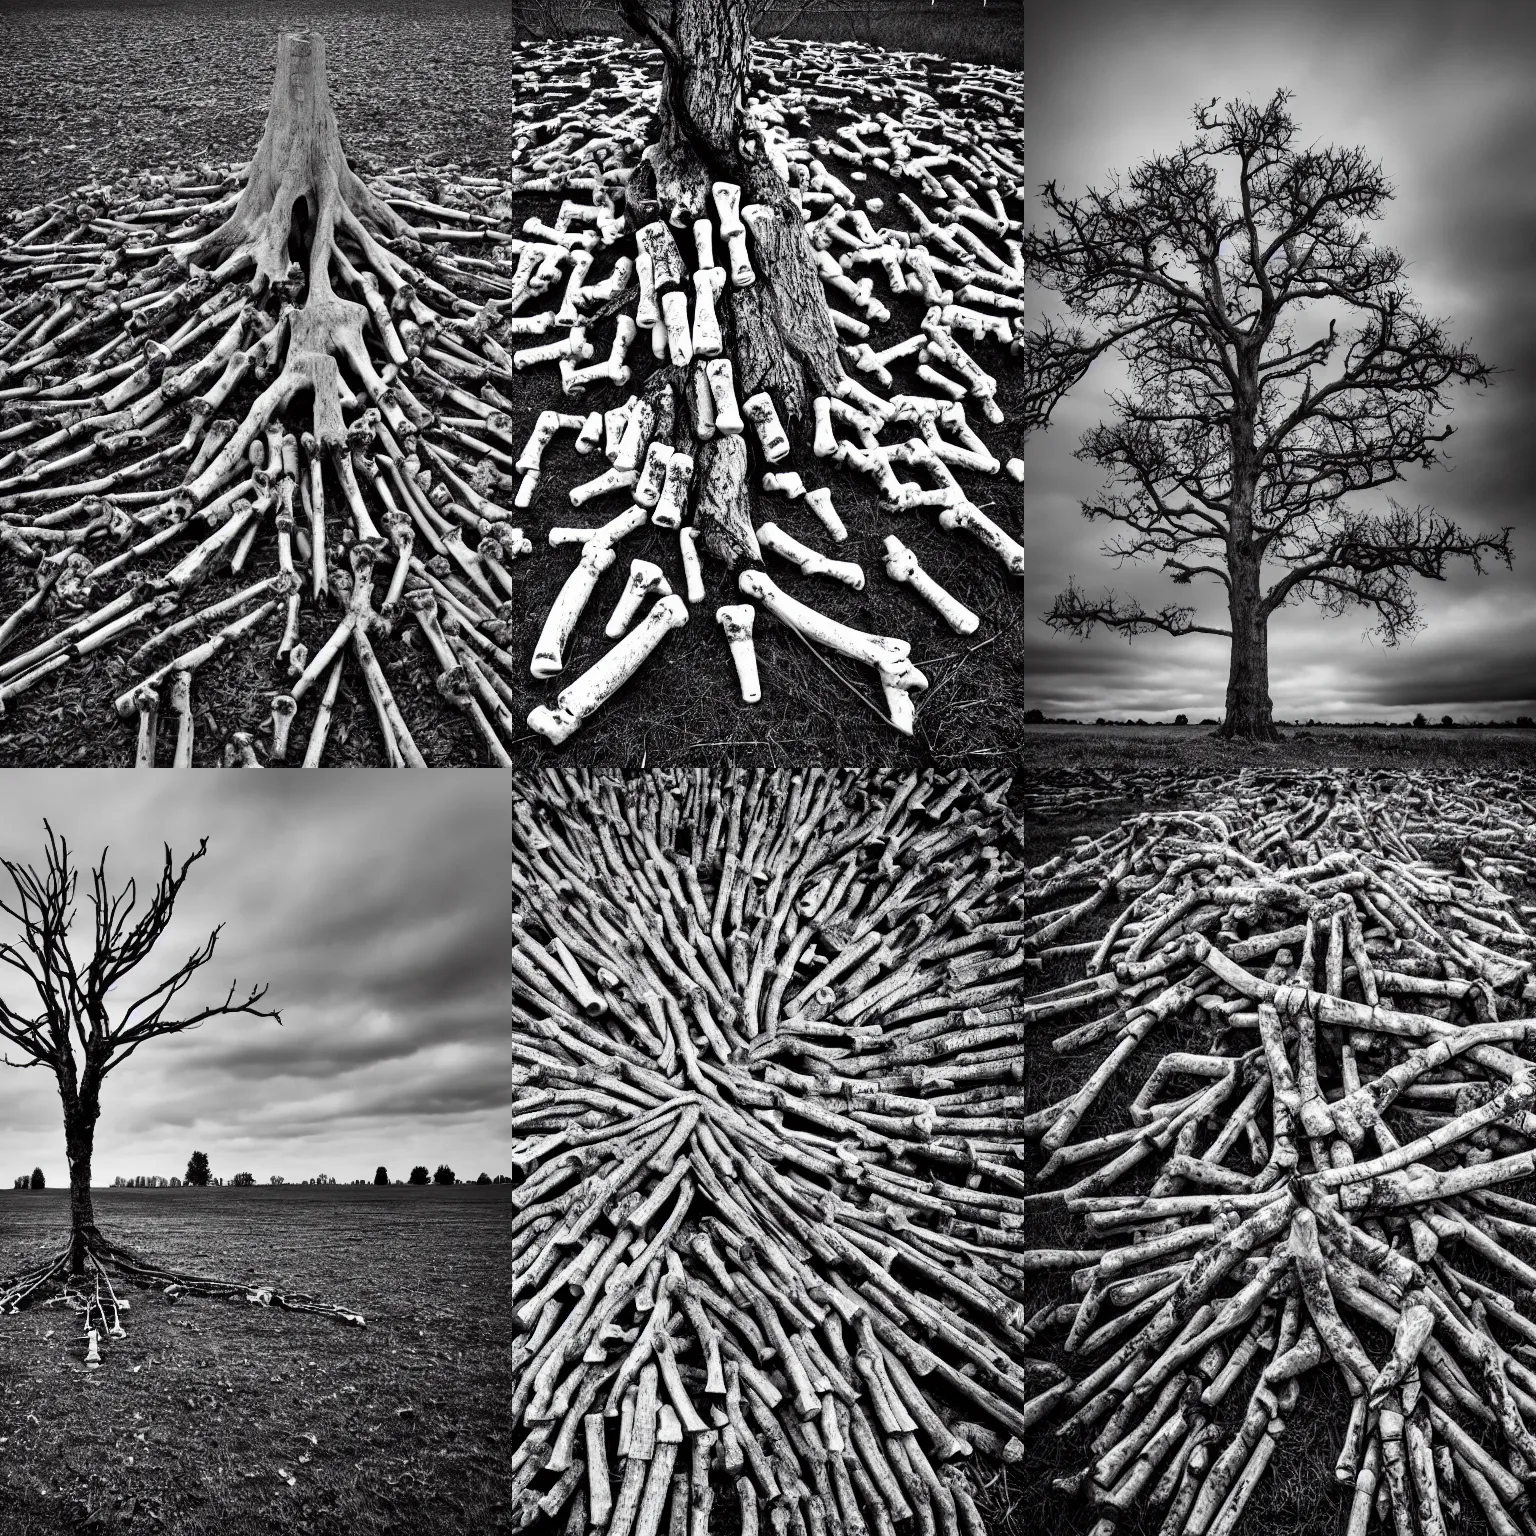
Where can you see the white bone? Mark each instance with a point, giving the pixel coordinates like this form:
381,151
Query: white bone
549,653
742,275
544,429
736,620
644,580
92,1352
975,323
703,239
812,562
866,399
825,444
1015,468
760,412
614,422
673,501
874,650
820,502
659,340
647,312
611,286
575,346
609,481
849,326
728,206
591,430
898,684
785,483
674,318
610,532
568,313
527,325
648,486
637,430
528,485
707,284
949,387
973,520
693,571
723,387
608,673
902,565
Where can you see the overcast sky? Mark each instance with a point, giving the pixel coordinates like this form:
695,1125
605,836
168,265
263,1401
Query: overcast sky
1442,95
375,905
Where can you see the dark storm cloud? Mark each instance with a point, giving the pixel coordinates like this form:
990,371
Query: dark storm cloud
1441,95
375,909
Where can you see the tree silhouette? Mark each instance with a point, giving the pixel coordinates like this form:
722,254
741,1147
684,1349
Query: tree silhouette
1278,365
418,1175
381,1175
198,1171
38,1181
81,1031
444,1174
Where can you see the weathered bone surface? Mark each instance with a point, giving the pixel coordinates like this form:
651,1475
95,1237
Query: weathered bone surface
749,1244
1338,970
181,402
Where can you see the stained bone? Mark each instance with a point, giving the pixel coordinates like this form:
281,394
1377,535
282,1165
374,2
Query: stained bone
810,561
736,620
645,581
902,565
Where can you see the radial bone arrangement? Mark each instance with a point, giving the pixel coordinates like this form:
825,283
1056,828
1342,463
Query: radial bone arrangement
766,1251
1303,1009
289,422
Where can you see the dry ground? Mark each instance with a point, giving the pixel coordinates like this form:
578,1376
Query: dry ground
89,90
239,1420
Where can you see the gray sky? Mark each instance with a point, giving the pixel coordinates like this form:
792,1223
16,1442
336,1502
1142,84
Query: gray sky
376,907
1441,95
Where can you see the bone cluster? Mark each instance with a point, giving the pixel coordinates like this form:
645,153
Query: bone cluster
1338,973
196,462
755,1258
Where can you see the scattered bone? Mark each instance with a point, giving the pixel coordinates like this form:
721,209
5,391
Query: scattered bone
811,562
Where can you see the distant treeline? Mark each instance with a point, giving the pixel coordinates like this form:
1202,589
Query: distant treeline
1419,722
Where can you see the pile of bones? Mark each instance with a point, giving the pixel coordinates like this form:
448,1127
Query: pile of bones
150,453
1333,977
761,1251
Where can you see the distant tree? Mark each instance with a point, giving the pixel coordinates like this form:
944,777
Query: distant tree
276,1178
484,1178
1446,720
444,1174
1524,720
381,1176
502,1178
243,1180
1420,721
419,1175
38,1181
1181,719
1034,717
198,1170
1277,367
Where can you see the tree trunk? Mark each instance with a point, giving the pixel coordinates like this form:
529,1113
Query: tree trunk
300,187
1249,713
778,331
82,1107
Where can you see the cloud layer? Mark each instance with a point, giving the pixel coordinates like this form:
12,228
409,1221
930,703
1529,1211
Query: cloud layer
1441,95
374,906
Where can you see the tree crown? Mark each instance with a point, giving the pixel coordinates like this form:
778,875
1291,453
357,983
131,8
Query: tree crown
1277,366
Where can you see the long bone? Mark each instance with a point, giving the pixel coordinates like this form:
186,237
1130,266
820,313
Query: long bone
609,673
646,580
810,561
902,565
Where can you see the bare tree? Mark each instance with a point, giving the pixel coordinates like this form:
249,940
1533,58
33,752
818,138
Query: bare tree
1278,366
80,1031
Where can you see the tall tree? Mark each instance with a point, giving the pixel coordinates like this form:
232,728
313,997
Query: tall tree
1278,366
76,1025
198,1171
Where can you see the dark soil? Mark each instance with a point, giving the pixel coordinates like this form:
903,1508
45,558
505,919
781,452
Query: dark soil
212,1417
